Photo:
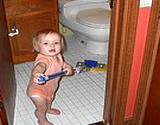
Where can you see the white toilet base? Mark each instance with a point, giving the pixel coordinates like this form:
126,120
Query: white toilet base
100,48
97,48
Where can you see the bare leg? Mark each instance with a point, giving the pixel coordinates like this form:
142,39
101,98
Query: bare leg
41,108
52,111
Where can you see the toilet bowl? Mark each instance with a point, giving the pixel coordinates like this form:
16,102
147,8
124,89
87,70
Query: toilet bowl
89,20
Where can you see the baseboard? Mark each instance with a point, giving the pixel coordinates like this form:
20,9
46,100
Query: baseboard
126,122
98,123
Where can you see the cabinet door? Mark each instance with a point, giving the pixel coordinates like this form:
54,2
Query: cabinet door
28,25
7,77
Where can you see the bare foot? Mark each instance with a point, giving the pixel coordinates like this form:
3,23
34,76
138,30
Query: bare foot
54,111
46,122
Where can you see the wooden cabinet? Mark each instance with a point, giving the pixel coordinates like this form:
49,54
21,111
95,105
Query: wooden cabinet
29,16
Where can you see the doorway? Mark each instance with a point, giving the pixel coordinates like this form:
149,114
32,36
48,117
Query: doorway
117,63
114,114
80,97
122,53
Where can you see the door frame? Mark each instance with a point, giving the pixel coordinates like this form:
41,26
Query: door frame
3,115
149,59
122,38
124,18
7,76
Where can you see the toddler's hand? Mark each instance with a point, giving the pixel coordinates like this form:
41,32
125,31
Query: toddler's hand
39,78
69,70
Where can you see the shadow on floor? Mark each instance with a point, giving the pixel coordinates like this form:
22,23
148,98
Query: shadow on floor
98,123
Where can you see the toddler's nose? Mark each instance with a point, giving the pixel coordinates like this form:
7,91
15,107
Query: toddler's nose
51,44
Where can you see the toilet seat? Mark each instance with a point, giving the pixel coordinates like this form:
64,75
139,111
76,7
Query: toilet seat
96,18
90,22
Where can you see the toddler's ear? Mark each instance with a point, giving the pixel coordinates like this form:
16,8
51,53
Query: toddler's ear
33,50
35,44
36,49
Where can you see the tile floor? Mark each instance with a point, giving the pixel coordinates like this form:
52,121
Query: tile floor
79,97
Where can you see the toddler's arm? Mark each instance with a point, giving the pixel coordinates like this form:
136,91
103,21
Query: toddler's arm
38,70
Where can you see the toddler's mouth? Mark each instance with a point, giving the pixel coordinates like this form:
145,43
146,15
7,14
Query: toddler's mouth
52,50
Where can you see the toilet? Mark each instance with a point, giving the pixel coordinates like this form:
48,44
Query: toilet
90,22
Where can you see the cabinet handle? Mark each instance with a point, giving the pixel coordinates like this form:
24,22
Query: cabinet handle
14,31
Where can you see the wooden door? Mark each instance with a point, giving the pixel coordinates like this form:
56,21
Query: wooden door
27,17
28,25
121,45
37,21
0,121
152,111
7,79
147,108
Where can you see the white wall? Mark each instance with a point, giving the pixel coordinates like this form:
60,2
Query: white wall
145,3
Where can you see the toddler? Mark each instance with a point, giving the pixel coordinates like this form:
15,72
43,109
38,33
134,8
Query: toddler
50,47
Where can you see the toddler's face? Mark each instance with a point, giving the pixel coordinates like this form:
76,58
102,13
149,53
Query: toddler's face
50,44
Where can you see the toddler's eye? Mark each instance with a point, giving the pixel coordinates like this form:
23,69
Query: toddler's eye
56,42
45,43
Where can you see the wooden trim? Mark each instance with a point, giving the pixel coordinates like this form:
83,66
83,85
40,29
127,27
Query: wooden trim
151,47
128,121
122,39
0,121
3,116
98,123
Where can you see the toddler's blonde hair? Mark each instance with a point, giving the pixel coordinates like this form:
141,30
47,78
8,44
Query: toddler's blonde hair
36,38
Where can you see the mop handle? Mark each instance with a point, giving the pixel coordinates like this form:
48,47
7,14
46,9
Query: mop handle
42,78
59,74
